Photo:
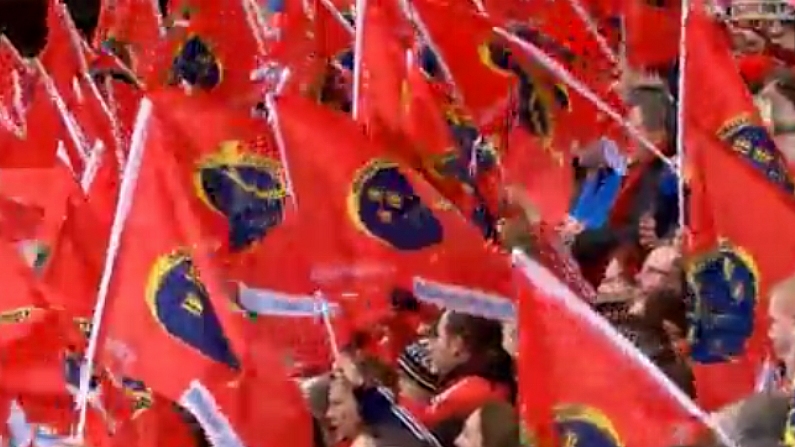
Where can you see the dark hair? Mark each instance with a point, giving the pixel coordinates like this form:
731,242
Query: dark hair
479,334
666,304
648,336
651,339
482,338
318,438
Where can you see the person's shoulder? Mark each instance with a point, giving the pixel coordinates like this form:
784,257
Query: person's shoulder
756,419
467,394
463,386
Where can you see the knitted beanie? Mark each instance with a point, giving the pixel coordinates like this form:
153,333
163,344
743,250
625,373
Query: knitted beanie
415,362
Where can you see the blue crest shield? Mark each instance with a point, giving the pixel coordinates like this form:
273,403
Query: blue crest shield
756,146
246,189
181,305
385,206
724,286
196,64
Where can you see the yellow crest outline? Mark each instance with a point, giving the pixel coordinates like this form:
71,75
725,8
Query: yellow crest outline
211,48
162,265
694,263
232,153
578,413
361,178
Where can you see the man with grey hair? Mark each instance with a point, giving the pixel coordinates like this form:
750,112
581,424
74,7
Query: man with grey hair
756,421
648,208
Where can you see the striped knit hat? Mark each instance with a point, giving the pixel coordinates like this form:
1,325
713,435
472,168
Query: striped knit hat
415,362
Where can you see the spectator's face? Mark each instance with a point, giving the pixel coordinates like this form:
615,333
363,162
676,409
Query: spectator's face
657,269
747,41
445,349
510,339
781,33
782,326
781,115
614,284
343,416
635,118
471,435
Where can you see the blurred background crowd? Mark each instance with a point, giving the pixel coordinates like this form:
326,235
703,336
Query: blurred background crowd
622,249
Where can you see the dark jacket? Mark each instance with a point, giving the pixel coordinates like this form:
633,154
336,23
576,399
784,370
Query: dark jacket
388,423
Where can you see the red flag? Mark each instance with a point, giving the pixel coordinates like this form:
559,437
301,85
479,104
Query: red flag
31,329
733,263
383,71
63,55
652,33
731,116
462,40
573,373
151,427
24,308
19,220
210,58
130,27
168,320
54,187
22,146
75,266
12,71
380,214
332,36
544,172
223,154
239,189
268,405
